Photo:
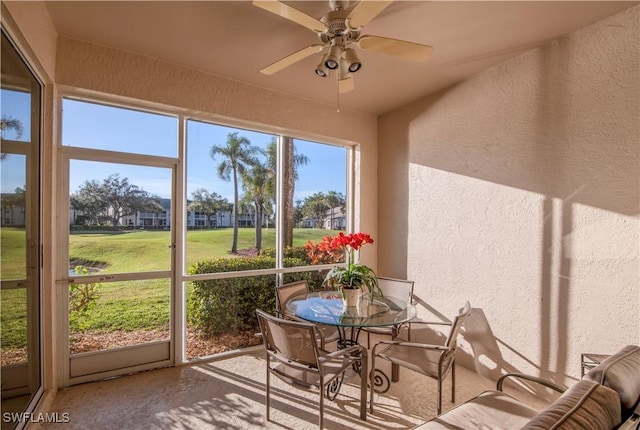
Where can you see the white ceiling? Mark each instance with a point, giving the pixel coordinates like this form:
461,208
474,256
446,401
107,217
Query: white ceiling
235,39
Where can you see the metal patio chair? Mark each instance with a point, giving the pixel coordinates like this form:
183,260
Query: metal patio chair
435,361
294,356
399,288
284,293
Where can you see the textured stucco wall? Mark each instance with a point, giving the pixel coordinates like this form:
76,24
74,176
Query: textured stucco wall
518,190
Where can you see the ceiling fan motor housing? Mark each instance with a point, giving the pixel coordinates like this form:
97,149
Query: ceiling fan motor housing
336,26
338,4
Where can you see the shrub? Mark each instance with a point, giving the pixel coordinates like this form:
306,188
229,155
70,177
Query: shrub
323,252
82,299
298,252
218,306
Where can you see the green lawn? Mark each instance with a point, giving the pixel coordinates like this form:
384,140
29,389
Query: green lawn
144,250
128,305
13,253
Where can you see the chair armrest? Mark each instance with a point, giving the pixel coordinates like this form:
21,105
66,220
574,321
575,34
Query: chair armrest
531,378
346,351
416,321
409,324
409,344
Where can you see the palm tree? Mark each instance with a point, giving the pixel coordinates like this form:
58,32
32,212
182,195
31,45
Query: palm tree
256,185
10,123
292,160
237,156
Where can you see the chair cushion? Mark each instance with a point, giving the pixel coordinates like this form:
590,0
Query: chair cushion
585,406
492,410
620,372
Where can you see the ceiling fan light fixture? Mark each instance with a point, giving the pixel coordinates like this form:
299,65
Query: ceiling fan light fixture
332,61
344,72
352,59
321,69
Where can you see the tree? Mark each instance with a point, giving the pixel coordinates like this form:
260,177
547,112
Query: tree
237,156
292,160
315,207
112,199
10,123
298,213
87,200
256,186
209,203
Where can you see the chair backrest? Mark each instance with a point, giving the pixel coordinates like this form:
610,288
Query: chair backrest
399,288
456,325
289,340
285,292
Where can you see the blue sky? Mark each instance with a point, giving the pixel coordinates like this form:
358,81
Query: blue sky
15,105
101,127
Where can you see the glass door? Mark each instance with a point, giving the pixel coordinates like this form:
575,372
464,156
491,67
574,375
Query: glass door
120,245
19,234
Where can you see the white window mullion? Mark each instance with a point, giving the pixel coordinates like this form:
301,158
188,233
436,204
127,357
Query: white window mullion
279,205
351,190
179,234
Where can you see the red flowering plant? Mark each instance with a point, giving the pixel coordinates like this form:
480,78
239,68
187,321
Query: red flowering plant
353,275
323,253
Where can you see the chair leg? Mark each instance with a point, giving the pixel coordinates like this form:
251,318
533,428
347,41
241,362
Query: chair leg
321,418
439,408
268,392
364,367
453,381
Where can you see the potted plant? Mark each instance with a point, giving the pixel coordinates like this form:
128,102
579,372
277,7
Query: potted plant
354,278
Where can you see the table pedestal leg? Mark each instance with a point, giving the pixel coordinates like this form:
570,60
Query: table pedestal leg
395,372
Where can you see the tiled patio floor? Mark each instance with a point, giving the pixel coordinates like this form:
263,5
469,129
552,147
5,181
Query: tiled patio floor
230,394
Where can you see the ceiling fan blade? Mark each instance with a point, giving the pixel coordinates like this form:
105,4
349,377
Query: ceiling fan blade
290,59
398,48
365,11
290,13
346,85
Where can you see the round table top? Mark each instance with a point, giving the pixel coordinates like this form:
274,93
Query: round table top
326,307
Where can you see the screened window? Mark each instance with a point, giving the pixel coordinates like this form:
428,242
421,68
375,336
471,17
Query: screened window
232,183
98,126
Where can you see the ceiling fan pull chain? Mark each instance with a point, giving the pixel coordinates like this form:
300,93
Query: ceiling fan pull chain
338,91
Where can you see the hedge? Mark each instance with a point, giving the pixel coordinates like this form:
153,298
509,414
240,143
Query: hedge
298,252
218,306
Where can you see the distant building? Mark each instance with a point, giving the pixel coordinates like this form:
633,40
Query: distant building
12,215
334,219
162,219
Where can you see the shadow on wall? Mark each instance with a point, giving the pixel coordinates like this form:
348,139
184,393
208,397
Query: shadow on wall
560,122
479,349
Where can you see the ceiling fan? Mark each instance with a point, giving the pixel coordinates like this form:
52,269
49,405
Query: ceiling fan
339,34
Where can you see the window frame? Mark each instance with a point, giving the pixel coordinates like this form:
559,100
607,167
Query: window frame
179,215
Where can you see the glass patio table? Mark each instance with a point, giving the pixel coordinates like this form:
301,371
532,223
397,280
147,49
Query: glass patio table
326,307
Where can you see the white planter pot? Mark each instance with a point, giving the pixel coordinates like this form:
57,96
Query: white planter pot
351,297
